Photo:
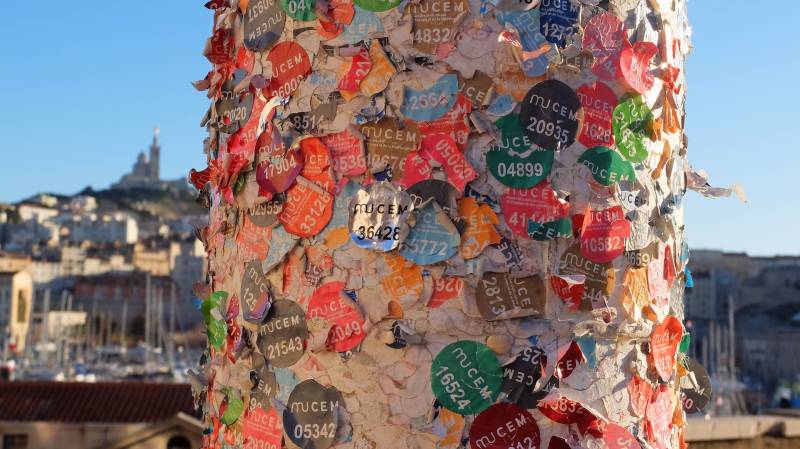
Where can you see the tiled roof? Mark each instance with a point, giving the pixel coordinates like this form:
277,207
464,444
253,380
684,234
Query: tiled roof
102,402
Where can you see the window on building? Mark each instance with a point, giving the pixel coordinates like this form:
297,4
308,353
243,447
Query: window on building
15,441
22,307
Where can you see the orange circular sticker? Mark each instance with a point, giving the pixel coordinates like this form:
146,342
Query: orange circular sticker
308,209
290,65
404,282
480,231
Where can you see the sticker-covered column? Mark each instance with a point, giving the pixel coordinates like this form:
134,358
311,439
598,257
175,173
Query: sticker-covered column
445,224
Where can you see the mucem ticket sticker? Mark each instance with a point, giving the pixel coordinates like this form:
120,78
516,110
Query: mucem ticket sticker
521,376
504,426
551,115
310,417
405,195
502,296
558,20
433,238
263,24
281,338
255,292
466,377
379,216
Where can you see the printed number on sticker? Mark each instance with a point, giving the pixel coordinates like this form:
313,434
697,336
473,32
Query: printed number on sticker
378,233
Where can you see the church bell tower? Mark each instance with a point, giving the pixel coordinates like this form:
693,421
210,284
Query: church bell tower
155,154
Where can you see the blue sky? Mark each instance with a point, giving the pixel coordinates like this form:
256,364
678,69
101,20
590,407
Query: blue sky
85,84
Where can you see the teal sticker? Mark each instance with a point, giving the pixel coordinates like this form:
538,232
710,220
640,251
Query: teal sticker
432,103
364,22
466,377
378,5
631,124
686,340
588,347
433,238
299,9
607,166
550,230
341,209
515,161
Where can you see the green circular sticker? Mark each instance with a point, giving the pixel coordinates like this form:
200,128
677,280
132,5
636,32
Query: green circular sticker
299,9
466,377
632,127
377,5
516,161
607,166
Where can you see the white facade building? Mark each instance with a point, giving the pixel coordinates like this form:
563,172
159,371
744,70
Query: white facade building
97,228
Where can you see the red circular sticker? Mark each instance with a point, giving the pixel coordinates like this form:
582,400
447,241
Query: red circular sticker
604,233
442,148
504,426
605,38
348,153
617,437
308,209
444,289
415,169
598,102
538,203
328,303
290,64
634,63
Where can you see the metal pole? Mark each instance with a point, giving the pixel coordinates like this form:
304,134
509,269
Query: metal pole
732,337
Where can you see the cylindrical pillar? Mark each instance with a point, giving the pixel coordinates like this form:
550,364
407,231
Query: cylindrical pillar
445,224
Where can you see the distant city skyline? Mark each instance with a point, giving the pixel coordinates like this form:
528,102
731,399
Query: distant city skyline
97,77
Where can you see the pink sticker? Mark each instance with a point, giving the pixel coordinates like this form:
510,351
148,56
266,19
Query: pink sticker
454,123
348,153
617,437
328,303
603,236
262,429
253,240
605,38
443,149
290,65
359,68
598,102
538,203
640,391
659,418
657,282
634,63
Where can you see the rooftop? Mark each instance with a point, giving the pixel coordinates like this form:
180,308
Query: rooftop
102,402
